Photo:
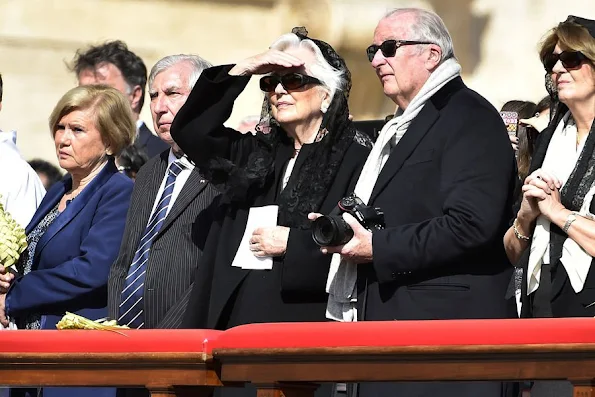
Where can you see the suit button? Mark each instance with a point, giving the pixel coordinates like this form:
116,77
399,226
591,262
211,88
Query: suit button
393,275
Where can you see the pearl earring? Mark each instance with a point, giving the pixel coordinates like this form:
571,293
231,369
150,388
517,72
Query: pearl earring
324,107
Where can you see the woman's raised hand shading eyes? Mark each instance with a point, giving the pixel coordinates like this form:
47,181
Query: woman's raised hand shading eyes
266,62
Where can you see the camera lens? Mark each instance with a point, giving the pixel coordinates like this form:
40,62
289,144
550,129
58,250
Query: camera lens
328,231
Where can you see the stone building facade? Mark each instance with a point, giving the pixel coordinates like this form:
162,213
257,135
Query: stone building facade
495,41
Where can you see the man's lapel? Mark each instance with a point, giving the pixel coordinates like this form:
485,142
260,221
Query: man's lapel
415,133
192,188
149,188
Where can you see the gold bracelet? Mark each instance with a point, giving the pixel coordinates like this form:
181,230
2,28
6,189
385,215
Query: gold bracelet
518,234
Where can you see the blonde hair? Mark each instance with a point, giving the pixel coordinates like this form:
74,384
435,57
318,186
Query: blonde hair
111,110
571,36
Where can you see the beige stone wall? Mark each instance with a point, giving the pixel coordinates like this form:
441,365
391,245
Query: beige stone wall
495,41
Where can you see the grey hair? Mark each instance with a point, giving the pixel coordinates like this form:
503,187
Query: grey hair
428,27
333,80
197,63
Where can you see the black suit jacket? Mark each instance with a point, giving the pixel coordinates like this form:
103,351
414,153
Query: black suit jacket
152,145
446,191
175,250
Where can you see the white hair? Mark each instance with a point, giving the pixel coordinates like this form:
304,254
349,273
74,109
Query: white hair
428,27
197,63
332,79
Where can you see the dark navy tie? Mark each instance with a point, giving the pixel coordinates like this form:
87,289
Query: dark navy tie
131,306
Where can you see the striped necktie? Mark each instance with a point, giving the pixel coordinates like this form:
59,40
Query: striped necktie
131,306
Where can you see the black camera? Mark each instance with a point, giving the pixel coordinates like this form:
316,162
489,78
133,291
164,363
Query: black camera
332,230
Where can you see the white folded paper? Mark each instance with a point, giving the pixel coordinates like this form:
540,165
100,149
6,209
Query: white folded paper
257,217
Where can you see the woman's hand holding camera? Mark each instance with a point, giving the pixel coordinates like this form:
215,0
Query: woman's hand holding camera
269,241
267,62
358,249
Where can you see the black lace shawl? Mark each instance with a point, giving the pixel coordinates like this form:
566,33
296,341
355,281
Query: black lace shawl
318,171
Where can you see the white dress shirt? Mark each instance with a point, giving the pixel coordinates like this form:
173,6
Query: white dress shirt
21,189
180,180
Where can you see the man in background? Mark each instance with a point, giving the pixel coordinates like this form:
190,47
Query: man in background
113,64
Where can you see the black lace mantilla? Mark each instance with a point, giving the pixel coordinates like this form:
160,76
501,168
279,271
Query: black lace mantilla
320,167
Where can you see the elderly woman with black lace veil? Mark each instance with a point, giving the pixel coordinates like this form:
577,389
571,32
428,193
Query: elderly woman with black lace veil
553,235
308,161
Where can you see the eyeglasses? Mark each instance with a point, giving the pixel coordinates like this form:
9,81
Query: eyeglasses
389,47
569,59
289,81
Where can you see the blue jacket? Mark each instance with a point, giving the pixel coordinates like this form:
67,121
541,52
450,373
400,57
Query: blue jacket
73,258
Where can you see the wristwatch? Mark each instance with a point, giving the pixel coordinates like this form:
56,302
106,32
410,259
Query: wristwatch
569,219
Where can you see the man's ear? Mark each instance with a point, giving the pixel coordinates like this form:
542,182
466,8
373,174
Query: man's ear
434,57
136,95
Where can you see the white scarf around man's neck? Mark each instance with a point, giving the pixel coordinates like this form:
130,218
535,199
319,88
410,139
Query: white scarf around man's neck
342,278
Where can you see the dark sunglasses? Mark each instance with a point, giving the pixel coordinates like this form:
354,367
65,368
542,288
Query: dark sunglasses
289,81
389,47
569,59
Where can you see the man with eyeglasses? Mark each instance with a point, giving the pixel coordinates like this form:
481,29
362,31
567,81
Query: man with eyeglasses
442,171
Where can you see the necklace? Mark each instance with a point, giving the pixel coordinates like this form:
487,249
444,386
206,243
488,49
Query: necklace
72,195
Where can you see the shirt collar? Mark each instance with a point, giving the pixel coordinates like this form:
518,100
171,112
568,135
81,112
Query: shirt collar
184,160
139,123
8,136
9,140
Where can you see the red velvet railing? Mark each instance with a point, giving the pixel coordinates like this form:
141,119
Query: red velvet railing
292,358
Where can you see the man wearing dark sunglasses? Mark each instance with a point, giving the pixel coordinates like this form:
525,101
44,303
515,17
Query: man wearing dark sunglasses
442,171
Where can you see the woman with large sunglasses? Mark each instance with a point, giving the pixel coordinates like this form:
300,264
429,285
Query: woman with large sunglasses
308,161
553,235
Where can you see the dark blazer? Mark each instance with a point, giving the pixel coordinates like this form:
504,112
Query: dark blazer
152,145
73,258
446,192
175,251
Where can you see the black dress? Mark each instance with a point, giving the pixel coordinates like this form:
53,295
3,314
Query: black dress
294,290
